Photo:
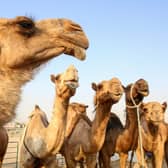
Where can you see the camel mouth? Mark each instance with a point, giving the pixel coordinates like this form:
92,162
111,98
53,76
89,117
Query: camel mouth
144,92
77,52
73,84
156,122
118,95
77,42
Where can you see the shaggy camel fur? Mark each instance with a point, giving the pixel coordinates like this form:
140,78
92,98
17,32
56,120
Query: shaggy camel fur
24,46
154,132
42,139
86,140
121,139
3,142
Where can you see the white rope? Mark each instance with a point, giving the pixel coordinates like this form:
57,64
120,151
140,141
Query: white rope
139,125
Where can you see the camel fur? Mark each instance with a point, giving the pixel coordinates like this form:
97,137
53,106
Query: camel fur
154,132
122,139
87,139
43,139
24,46
4,143
75,112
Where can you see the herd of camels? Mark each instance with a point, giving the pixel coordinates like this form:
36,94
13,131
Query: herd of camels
25,45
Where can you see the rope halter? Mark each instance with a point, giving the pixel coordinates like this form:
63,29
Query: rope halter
139,124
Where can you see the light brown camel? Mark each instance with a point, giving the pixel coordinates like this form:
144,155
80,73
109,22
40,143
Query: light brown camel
86,140
154,132
3,143
24,46
42,139
121,139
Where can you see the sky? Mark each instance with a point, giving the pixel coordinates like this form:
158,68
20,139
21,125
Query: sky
128,40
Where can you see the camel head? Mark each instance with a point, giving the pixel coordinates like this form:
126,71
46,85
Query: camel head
66,83
136,91
78,108
107,91
25,43
153,111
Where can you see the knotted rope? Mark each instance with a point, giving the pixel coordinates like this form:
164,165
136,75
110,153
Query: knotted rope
139,124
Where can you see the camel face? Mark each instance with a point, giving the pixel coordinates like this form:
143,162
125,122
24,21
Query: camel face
77,107
141,87
139,90
67,82
154,111
108,90
25,43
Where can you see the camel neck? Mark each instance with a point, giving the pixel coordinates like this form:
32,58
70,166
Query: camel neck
131,127
99,125
60,108
57,125
149,127
10,89
131,119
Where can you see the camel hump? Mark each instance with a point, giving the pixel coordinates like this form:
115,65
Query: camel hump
37,106
86,118
37,112
114,122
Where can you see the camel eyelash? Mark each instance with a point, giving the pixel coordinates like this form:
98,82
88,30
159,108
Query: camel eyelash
26,27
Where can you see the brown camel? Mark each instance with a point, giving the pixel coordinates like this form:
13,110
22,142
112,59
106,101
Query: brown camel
3,142
75,112
85,139
42,139
121,139
166,148
24,46
154,132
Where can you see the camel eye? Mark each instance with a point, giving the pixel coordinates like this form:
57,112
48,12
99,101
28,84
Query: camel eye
145,110
26,25
100,86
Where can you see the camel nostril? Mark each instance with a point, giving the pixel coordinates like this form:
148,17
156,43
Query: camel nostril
76,27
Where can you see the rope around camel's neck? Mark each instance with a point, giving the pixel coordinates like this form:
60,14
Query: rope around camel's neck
139,124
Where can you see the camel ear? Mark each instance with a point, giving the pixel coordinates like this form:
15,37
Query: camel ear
36,107
164,106
52,77
86,106
124,88
94,86
142,105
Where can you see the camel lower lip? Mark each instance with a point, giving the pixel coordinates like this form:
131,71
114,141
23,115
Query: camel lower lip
72,85
118,95
78,52
145,93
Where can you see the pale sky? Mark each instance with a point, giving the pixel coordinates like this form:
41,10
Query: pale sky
128,40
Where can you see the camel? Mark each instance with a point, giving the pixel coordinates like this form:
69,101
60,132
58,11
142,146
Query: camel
86,138
121,139
42,140
25,45
154,132
4,143
74,113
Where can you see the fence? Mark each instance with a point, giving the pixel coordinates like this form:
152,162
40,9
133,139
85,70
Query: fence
11,156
